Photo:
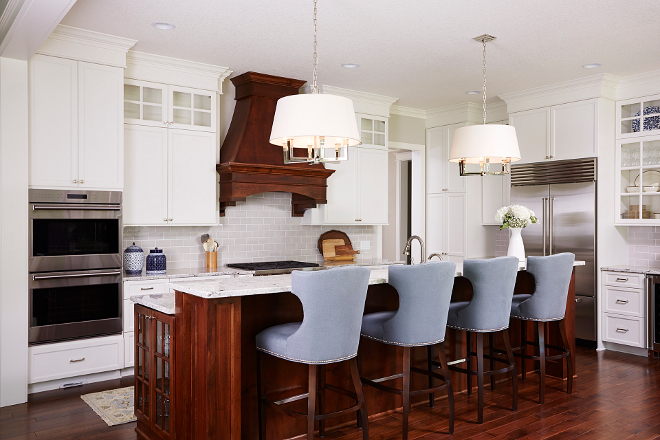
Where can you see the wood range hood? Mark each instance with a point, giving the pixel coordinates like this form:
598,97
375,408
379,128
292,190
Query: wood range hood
249,163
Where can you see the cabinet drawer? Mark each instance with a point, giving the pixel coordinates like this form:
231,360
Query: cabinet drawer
624,279
624,330
68,359
624,301
145,287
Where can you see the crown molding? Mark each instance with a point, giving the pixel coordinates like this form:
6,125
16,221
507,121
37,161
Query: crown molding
641,84
159,68
595,86
408,111
364,102
454,114
10,12
91,38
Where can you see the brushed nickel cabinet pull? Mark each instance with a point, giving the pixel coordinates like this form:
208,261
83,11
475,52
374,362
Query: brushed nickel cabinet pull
146,288
73,361
621,280
622,330
622,301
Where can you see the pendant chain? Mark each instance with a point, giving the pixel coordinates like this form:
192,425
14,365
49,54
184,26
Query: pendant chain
484,41
315,88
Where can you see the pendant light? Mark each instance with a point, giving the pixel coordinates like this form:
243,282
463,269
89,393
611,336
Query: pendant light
314,128
484,144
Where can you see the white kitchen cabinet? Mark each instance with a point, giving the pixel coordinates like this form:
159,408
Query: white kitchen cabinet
76,138
357,191
76,135
170,177
442,175
533,133
624,308
162,105
446,226
632,122
496,193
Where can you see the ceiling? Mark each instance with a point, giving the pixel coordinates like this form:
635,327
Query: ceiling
420,51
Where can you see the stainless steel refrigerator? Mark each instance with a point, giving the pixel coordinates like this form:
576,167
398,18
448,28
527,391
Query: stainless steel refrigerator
563,196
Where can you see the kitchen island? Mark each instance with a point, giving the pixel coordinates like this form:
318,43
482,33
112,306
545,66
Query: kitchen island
214,355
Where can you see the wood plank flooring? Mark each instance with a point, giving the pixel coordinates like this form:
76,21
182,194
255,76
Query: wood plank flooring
616,396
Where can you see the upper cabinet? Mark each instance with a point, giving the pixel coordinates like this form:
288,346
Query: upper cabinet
357,190
442,175
633,122
149,103
76,133
566,131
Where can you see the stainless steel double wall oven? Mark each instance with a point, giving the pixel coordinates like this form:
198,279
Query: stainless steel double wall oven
75,279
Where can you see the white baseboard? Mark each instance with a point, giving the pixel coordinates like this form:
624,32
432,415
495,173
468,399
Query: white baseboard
626,349
85,379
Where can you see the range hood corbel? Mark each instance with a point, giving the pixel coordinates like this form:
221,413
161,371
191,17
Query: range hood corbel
249,163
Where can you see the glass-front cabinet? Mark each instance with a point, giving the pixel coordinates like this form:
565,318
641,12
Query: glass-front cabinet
154,350
638,117
161,105
638,181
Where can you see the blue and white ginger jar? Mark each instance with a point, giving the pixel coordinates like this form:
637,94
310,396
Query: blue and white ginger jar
156,262
133,260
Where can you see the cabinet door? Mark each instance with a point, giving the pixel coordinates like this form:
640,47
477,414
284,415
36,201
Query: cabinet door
192,178
163,374
533,132
454,181
454,226
435,242
53,146
145,103
145,177
372,186
100,126
435,166
142,364
574,130
341,193
192,109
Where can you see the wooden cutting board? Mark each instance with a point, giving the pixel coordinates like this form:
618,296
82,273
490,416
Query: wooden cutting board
329,247
330,235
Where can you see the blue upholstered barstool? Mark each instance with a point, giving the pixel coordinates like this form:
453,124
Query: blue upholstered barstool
333,305
424,295
552,276
488,311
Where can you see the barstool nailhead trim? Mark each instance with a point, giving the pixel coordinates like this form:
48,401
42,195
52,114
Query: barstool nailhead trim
478,330
304,361
400,343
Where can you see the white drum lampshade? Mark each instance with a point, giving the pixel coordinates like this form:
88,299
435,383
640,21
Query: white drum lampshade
481,144
315,122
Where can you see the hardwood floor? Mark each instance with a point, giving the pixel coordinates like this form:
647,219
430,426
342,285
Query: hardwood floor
616,396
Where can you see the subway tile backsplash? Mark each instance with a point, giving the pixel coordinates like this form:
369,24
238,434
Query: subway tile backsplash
259,229
644,246
501,242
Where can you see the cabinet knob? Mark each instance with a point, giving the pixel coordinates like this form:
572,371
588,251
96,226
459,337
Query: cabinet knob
170,219
547,157
164,219
75,180
82,181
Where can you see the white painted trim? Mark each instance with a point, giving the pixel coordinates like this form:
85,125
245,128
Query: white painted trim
636,86
10,13
175,71
364,102
405,146
408,111
596,86
84,45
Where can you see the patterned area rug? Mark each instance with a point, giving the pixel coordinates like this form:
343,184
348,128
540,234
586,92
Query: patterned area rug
113,406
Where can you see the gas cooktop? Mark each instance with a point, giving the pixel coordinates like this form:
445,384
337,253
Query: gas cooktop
275,267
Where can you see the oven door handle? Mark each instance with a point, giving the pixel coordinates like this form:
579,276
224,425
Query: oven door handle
80,207
78,275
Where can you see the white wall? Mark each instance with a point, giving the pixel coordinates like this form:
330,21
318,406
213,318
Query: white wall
13,231
407,129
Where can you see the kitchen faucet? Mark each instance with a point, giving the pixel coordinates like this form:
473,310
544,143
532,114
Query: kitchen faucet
435,254
407,250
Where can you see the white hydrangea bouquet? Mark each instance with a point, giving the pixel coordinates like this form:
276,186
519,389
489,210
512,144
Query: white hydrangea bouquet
515,216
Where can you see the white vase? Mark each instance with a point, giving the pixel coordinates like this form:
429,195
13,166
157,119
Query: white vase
516,246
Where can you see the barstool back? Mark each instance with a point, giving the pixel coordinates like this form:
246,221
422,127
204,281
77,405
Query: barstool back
493,281
333,305
424,296
552,275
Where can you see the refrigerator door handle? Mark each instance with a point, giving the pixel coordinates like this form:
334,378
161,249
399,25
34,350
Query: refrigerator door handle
545,222
551,229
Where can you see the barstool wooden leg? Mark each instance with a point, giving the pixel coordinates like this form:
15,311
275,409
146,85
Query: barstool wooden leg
359,373
321,399
468,336
450,390
514,372
406,390
480,375
541,330
523,347
429,357
569,359
362,412
311,401
491,342
260,410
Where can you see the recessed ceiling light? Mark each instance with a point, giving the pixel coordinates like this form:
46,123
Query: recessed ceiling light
473,92
350,65
591,65
163,26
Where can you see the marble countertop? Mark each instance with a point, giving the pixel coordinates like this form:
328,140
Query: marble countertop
187,273
163,302
632,269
